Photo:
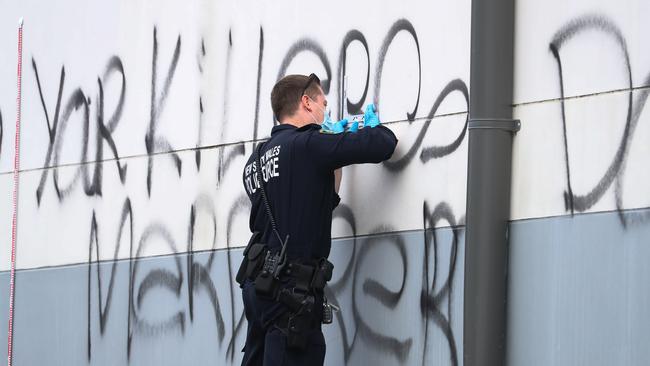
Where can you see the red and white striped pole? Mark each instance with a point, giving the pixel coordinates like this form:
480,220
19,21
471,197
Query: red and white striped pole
14,221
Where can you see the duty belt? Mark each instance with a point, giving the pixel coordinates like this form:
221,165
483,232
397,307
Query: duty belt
310,277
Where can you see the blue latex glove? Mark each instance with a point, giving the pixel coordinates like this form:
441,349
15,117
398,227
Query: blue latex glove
354,127
370,119
333,127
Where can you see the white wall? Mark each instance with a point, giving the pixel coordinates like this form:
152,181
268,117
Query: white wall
218,46
603,53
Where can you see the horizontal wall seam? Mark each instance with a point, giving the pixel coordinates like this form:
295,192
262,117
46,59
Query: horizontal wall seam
201,148
580,96
341,238
624,211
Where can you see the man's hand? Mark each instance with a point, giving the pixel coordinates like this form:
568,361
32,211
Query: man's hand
370,118
334,127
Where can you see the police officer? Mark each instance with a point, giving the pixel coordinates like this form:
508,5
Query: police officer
298,170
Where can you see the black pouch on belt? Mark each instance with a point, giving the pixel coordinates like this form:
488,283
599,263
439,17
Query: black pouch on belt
266,285
253,261
322,274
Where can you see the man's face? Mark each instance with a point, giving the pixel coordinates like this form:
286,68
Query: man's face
318,106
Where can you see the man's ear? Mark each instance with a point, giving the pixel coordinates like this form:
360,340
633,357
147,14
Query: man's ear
306,102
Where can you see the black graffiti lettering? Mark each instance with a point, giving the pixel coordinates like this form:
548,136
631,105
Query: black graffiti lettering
190,261
375,289
430,301
238,330
51,129
307,45
77,101
438,151
400,25
352,108
616,168
56,130
257,89
198,274
344,212
105,131
241,205
197,153
205,277
152,141
104,310
155,278
235,151
335,287
582,203
381,342
226,103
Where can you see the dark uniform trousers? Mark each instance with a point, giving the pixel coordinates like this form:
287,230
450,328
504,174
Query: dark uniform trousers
267,346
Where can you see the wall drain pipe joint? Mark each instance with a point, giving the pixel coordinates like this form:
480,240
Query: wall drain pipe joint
512,125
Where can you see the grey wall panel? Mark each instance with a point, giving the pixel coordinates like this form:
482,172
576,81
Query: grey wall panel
181,310
579,290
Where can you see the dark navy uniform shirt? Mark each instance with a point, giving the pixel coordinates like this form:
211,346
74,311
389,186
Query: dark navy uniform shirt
297,169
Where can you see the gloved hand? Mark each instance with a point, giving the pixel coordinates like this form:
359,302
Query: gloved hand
354,127
370,119
334,127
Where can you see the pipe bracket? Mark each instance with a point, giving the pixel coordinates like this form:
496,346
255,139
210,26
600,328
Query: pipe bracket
512,125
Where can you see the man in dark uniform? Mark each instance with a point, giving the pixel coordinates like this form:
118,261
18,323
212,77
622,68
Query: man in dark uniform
299,167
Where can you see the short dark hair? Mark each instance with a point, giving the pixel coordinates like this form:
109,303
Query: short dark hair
287,92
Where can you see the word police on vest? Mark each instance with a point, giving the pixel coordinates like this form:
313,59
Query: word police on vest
269,162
